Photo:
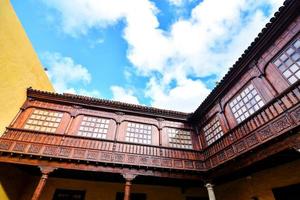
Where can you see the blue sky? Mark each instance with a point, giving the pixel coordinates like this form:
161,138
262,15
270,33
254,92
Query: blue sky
161,53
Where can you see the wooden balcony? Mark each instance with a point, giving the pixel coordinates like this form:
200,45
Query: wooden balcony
68,147
276,118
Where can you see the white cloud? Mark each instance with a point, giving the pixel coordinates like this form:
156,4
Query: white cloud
65,74
123,95
207,43
176,2
184,97
179,3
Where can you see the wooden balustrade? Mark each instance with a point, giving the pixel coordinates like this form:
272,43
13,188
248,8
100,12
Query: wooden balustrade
76,148
275,118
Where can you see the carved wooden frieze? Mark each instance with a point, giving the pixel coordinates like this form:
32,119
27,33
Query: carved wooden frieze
281,124
105,156
240,146
143,160
20,147
92,155
199,165
50,150
131,158
222,156
155,161
188,164
65,152
229,151
178,163
5,145
166,162
79,153
265,133
296,114
252,140
35,148
208,164
214,160
118,157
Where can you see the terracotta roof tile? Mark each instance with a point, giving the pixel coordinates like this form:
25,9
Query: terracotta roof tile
90,101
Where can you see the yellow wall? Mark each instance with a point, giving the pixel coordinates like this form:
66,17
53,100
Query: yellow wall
107,191
19,185
13,182
260,184
20,67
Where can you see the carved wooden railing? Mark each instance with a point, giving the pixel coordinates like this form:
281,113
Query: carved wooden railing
70,147
275,118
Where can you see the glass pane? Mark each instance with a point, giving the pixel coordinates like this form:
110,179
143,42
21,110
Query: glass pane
43,120
247,104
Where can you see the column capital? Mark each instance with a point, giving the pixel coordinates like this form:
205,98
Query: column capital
119,117
160,119
129,177
120,113
209,185
46,169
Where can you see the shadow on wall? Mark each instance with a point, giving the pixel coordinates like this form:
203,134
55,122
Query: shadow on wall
14,183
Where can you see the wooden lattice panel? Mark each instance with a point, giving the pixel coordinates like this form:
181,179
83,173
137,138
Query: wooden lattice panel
213,131
43,120
139,133
94,127
179,138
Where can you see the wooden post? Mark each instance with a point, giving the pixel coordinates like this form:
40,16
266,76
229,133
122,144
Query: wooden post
128,178
119,120
42,182
127,190
160,127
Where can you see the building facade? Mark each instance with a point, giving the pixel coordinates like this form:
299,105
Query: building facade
20,67
242,142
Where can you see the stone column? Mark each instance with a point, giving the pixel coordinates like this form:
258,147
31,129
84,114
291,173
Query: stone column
42,182
128,178
210,190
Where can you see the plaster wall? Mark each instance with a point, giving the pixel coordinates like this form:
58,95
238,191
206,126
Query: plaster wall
20,67
260,184
107,191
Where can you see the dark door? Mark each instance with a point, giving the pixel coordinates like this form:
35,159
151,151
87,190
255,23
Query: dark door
291,192
133,196
61,194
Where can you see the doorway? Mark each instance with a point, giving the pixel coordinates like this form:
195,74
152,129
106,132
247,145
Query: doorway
291,192
62,194
133,196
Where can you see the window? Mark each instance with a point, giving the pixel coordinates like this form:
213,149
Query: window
289,62
246,103
139,133
62,194
179,138
94,127
213,131
43,120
